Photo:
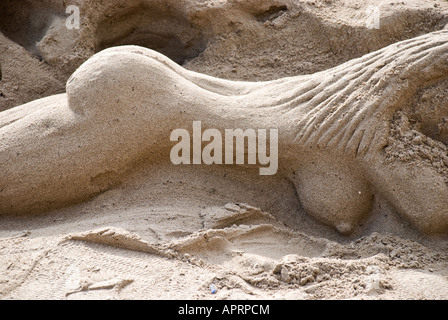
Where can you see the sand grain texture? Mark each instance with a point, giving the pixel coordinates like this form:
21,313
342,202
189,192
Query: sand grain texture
92,208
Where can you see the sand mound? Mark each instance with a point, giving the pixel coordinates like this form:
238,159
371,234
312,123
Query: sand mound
242,258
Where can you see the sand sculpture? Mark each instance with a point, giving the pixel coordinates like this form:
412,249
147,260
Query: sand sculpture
339,130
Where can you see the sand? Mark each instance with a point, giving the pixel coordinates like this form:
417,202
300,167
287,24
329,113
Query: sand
152,230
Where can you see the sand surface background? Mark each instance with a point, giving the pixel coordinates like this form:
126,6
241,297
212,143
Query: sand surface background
170,232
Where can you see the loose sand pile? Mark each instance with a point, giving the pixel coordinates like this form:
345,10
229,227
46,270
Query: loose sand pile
92,208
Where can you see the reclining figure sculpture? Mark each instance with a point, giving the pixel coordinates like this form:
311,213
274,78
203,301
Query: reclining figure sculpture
335,131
